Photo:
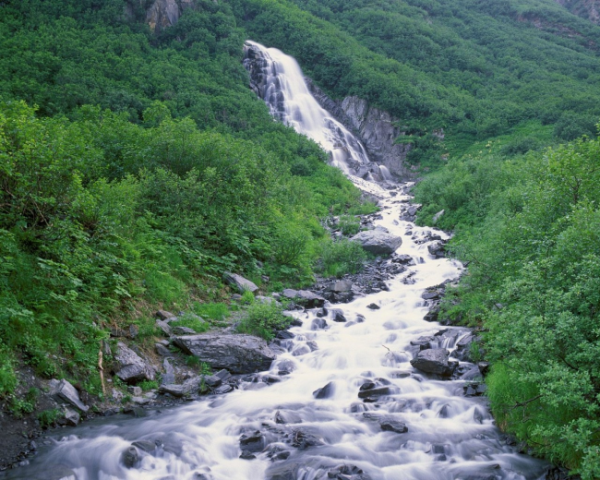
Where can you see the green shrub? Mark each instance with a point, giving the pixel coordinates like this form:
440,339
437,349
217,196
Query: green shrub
349,225
48,418
190,320
212,311
340,257
263,319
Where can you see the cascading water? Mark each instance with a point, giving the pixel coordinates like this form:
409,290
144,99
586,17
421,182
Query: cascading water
278,80
373,415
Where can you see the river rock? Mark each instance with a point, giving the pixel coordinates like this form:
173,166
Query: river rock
325,392
165,315
56,472
71,417
130,457
309,299
436,249
240,283
338,315
318,324
282,471
130,367
392,425
378,242
252,442
164,327
235,353
63,390
435,361
286,416
290,293
347,472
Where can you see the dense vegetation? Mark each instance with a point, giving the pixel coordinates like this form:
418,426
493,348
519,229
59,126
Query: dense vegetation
529,228
137,167
145,170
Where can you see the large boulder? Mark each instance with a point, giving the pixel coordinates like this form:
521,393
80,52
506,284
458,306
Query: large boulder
65,392
130,367
240,283
435,361
235,353
378,242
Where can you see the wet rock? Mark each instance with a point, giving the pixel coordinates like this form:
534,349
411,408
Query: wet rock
436,248
300,350
424,343
286,471
275,452
374,392
64,391
403,259
213,381
325,392
378,242
478,416
463,348
146,446
284,335
240,283
246,455
290,293
318,324
223,389
338,315
484,367
559,473
130,457
474,389
71,417
236,353
130,367
286,416
309,299
434,361
373,306
342,286
347,472
302,440
252,442
391,425
179,391
312,345
201,476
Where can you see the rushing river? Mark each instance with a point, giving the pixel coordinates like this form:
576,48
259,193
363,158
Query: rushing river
341,436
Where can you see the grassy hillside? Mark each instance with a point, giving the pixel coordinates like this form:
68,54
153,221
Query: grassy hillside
135,168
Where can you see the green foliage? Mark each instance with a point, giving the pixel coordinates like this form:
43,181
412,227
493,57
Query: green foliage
263,319
212,311
247,298
8,379
529,229
20,406
147,385
349,225
48,418
192,321
340,257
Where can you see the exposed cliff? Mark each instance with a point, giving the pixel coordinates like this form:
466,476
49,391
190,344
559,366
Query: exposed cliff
375,128
158,14
588,9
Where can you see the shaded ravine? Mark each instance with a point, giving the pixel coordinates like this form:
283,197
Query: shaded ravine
342,400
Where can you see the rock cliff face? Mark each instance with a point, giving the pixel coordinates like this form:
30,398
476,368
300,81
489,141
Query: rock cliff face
159,14
375,128
588,9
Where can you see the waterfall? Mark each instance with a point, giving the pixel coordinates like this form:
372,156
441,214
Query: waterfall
278,80
342,400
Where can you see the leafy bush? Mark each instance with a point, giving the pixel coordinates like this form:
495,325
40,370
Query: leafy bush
263,319
190,320
349,225
212,311
340,257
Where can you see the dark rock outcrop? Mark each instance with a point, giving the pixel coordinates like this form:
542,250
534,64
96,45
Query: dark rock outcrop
434,361
235,353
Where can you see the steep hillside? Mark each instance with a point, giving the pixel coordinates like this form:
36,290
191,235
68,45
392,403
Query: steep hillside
588,9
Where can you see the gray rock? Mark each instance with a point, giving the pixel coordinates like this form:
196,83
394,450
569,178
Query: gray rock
378,242
342,286
435,361
135,391
130,457
309,299
57,472
187,388
164,327
240,283
318,324
286,416
326,392
290,293
63,390
183,331
130,366
235,353
164,315
338,315
71,417
391,425
436,248
162,350
168,377
282,471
